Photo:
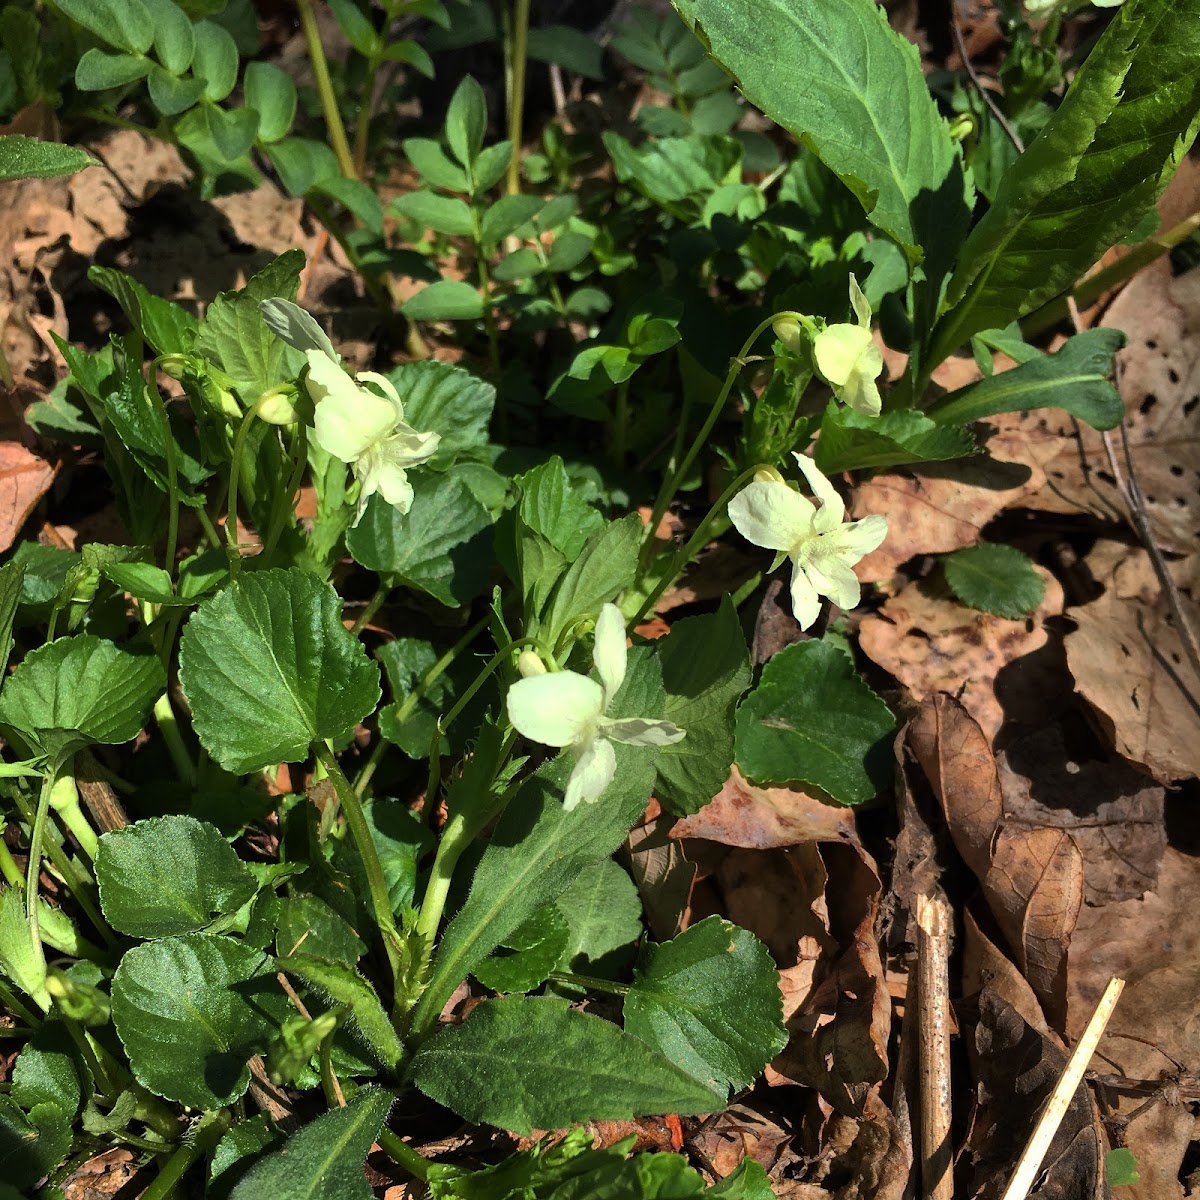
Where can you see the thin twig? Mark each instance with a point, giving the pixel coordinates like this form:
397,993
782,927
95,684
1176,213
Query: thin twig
961,46
1030,1161
933,1020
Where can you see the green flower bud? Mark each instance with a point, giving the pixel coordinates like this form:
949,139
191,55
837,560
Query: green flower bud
789,331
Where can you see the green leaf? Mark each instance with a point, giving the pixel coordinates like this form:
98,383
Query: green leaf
401,840
709,1001
568,47
446,300
506,216
306,922
235,334
233,130
169,875
525,1062
344,985
12,582
431,161
466,121
21,958
813,719
98,70
442,214
34,1144
604,917
442,545
191,1012
850,441
605,567
861,103
301,162
271,93
412,53
174,39
357,27
50,1070
1077,378
706,668
1086,180
167,327
325,1158
215,59
748,1181
45,570
357,197
125,24
491,165
551,506
28,158
170,94
80,690
244,1145
528,954
268,668
995,579
1120,1165
447,400
673,171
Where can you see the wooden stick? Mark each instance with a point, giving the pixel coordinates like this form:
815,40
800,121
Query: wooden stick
1056,1107
933,998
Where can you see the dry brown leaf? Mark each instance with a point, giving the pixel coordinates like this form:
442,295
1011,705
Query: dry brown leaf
24,480
1129,664
1155,945
664,877
932,643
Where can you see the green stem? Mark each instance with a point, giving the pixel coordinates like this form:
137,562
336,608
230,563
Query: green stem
329,1082
696,542
172,478
371,607
286,503
402,1153
434,673
359,830
64,799
8,867
232,548
203,1137
17,1007
329,105
210,530
492,664
168,726
362,126
363,779
667,494
32,871
590,982
518,58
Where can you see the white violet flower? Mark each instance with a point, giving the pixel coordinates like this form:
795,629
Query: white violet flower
848,360
564,708
822,548
361,421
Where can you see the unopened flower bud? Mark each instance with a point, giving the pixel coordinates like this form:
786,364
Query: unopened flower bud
528,664
279,406
789,332
768,475
229,405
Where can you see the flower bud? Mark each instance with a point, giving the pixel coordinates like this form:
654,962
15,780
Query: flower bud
278,407
789,332
768,475
528,663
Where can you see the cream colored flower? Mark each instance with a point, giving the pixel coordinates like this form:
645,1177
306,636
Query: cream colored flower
822,546
361,421
848,360
564,708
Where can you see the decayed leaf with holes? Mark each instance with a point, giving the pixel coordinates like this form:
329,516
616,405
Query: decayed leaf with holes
931,643
1159,378
24,480
1129,663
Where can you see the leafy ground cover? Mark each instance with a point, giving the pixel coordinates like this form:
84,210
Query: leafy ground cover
588,613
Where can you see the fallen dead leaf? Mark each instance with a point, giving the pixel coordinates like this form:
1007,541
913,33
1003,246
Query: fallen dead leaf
1129,664
664,877
24,480
932,643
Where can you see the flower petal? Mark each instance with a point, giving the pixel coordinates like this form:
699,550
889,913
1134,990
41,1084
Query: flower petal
858,302
557,709
806,604
609,653
832,508
832,576
379,473
861,392
382,384
836,350
347,420
772,515
642,731
595,769
856,539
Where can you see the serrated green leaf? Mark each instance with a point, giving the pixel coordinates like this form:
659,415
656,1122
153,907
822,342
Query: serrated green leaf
442,545
995,579
446,300
552,507
34,1144
271,93
448,400
268,668
191,1012
861,103
528,955
169,875
244,1145
605,567
50,1070
709,1001
167,327
125,24
24,157
78,691
604,916
306,925
325,1158
344,985
12,583
676,171
706,668
99,70
1076,378
1086,180
525,1062
852,441
442,214
813,719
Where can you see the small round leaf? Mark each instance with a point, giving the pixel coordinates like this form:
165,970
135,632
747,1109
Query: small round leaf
995,579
